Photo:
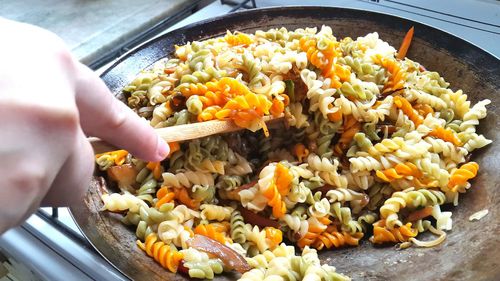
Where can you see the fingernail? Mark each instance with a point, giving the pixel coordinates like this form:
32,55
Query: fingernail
162,148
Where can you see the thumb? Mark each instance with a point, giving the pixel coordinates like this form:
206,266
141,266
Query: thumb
104,116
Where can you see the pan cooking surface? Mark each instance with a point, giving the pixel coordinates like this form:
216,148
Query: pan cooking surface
470,251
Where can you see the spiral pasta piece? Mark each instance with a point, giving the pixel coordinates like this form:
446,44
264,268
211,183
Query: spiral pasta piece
460,176
200,265
381,234
399,171
116,202
333,238
446,135
213,231
408,198
351,127
398,76
108,159
183,196
238,39
408,110
164,254
238,227
187,179
214,212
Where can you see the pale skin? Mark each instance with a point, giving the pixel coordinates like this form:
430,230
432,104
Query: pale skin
49,104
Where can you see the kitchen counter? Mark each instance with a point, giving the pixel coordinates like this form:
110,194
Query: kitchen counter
93,28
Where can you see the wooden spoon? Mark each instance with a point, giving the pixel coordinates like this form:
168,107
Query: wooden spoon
184,132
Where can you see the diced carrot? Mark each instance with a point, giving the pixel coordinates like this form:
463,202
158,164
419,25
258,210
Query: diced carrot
174,146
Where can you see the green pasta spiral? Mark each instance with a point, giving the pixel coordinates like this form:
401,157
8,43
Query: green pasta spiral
237,227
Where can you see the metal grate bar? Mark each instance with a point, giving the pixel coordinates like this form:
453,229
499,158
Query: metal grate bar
51,219
238,5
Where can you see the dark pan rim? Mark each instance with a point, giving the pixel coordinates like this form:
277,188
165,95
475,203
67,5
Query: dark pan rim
181,30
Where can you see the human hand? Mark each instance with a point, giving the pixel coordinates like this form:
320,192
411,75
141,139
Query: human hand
49,102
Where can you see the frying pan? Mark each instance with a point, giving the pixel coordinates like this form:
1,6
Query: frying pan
471,250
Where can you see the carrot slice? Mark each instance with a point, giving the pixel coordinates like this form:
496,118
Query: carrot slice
406,44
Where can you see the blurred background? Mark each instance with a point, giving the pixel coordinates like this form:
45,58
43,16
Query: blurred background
49,245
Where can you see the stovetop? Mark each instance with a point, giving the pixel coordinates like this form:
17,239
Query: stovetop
50,242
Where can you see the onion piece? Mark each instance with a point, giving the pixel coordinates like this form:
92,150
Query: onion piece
324,189
124,175
419,214
256,219
478,215
234,194
247,185
229,257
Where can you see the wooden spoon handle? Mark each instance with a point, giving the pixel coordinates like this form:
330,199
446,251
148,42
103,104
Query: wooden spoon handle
184,132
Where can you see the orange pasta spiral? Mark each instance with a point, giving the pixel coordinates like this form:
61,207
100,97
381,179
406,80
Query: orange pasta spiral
214,231
182,195
300,151
167,256
274,197
230,99
460,176
280,186
325,59
118,156
188,90
335,116
239,39
156,168
408,110
331,237
399,171
381,234
315,56
164,195
313,232
337,73
423,109
446,135
308,238
398,76
351,127
273,236
245,110
208,113
283,179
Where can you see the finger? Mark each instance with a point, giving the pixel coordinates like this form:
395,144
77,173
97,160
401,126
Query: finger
73,178
104,116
